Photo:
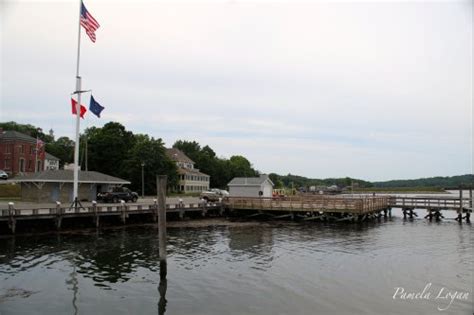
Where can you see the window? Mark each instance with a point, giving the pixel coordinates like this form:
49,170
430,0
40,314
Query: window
21,148
8,148
38,166
22,165
8,164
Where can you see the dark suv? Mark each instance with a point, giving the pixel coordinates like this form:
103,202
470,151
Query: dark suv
117,194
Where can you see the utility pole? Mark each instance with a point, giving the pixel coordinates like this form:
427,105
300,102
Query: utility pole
143,180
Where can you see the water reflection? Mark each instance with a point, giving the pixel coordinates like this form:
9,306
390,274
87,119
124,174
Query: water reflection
162,287
72,281
120,271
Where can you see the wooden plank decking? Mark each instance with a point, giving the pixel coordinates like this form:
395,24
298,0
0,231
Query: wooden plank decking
358,205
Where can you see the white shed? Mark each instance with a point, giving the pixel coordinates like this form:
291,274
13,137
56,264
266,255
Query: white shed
260,186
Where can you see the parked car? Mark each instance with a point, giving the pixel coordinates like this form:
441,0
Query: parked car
3,175
117,194
214,194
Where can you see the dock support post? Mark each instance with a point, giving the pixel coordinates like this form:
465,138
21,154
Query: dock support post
11,217
96,214
155,210
123,211
430,214
470,198
204,210
221,207
460,201
161,190
385,212
59,218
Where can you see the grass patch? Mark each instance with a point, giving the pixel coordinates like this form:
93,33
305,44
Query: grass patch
10,191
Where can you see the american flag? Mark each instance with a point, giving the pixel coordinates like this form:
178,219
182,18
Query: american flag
88,22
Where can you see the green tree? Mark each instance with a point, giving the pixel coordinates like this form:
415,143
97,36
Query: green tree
152,153
62,148
108,148
27,129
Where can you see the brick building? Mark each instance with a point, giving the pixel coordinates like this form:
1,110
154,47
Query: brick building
18,153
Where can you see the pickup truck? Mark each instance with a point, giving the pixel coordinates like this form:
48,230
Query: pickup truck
117,194
214,194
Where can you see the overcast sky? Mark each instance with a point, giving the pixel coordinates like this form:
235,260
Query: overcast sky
374,90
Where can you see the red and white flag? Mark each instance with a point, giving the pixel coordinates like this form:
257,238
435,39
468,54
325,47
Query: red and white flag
88,22
74,106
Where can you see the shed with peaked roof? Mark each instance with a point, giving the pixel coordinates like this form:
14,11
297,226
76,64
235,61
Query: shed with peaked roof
261,186
57,185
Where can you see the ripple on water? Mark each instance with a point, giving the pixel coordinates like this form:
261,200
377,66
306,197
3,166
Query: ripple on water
253,270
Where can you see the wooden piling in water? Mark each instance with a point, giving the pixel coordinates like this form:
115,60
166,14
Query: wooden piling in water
59,215
96,214
11,219
161,191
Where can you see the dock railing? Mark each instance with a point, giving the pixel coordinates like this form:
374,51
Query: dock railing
341,204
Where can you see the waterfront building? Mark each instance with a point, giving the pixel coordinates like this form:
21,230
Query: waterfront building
261,186
51,162
57,185
191,180
18,153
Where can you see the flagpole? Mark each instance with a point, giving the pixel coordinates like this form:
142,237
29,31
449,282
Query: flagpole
78,114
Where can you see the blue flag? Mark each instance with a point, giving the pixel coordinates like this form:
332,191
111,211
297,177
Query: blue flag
95,107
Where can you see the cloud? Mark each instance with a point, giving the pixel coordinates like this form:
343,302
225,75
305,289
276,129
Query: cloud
378,90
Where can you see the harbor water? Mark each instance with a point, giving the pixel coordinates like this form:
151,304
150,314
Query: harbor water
278,267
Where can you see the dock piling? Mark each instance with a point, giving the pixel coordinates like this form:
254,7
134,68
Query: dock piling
11,217
123,211
96,215
161,191
59,217
155,210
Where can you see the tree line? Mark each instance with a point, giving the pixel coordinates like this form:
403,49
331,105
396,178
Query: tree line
116,151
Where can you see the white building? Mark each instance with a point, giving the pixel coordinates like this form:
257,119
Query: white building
191,180
51,162
260,186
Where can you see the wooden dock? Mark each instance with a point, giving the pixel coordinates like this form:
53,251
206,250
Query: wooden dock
313,207
95,212
434,205
305,207
442,203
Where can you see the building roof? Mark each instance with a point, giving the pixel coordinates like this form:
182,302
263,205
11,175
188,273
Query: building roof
67,176
187,171
178,156
51,157
249,181
15,135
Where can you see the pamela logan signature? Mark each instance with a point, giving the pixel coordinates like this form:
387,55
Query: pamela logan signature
443,296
